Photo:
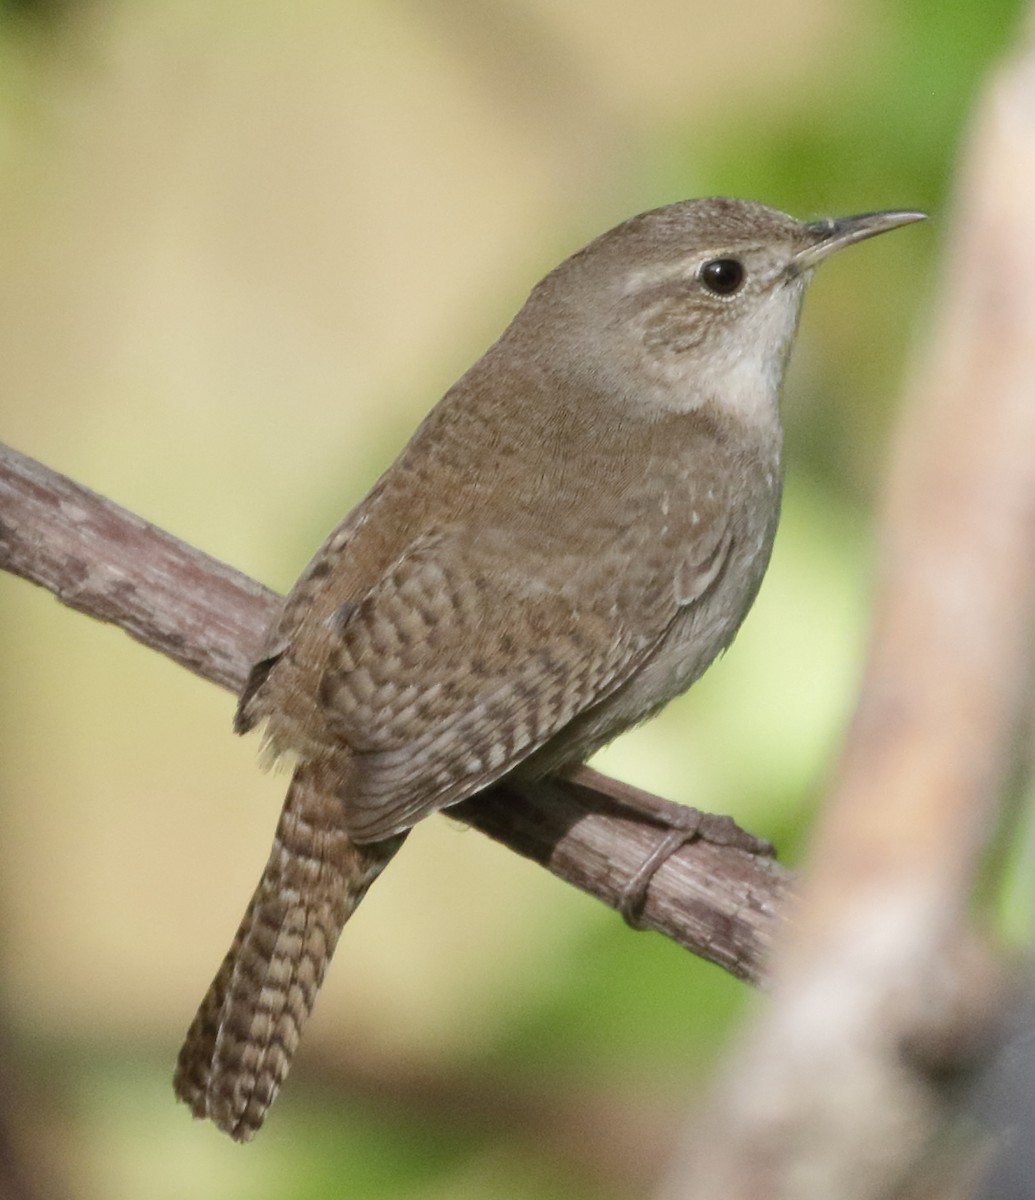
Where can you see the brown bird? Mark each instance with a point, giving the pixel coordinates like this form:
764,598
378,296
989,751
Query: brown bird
572,535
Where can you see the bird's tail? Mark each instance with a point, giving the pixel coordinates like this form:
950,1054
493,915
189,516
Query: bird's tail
239,1047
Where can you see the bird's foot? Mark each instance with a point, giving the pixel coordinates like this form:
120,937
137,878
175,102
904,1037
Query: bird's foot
681,825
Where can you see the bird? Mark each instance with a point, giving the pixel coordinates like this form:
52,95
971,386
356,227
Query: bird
573,533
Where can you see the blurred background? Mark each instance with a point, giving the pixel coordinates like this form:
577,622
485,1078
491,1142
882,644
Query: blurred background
243,249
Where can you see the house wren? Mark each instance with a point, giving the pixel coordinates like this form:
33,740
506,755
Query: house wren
571,536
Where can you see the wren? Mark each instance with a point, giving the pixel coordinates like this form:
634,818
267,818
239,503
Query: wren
572,535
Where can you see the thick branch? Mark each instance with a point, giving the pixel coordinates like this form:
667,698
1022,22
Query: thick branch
718,901
879,997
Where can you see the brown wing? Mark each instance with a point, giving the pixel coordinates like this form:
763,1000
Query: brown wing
310,592
506,654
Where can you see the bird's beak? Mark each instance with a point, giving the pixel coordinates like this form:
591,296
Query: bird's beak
828,236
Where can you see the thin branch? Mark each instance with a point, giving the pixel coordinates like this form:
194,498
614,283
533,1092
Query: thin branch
717,900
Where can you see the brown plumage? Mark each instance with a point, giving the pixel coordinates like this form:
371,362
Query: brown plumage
240,1044
569,539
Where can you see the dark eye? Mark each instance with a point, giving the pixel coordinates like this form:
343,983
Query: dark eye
723,276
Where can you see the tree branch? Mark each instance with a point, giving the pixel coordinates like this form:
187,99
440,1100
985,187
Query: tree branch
716,900
882,999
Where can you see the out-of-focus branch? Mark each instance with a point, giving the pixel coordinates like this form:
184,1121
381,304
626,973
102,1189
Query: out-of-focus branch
614,1137
838,1089
13,1182
715,899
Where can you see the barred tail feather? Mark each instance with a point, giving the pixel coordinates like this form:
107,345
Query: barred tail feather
240,1045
